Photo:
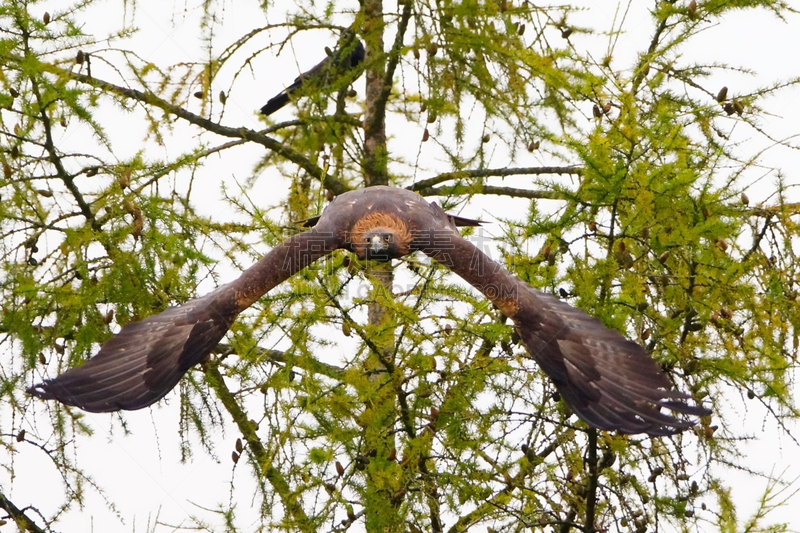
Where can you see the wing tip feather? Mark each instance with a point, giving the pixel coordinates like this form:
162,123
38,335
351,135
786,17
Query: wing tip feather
40,390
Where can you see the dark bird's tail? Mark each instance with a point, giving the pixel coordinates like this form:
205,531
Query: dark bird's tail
275,103
321,74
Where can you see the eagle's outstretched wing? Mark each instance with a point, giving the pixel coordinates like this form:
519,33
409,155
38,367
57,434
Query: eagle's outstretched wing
141,364
610,382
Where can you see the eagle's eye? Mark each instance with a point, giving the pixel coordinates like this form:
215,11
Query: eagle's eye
387,238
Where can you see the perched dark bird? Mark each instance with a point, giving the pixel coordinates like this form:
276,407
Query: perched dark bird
336,64
609,382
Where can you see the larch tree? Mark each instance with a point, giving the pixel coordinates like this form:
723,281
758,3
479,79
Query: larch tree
393,397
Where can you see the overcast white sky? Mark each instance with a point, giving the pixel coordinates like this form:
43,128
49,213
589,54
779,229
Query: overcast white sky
141,472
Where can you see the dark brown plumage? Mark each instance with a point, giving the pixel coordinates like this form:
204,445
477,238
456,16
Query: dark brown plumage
609,382
321,74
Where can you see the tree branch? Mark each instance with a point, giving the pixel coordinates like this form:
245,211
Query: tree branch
329,182
591,485
24,523
308,364
51,149
262,460
462,190
493,172
394,60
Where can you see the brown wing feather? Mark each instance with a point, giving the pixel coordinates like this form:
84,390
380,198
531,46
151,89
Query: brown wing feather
610,382
146,359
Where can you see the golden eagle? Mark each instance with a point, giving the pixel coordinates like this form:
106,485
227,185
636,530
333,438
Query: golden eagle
611,383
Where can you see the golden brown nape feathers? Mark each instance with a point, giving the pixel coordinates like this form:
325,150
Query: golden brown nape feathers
380,237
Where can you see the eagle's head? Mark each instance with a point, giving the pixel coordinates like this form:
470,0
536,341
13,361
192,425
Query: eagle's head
380,237
381,244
